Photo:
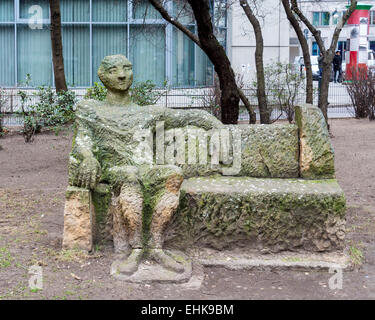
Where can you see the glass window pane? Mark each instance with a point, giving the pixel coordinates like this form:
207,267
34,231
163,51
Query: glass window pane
34,55
183,12
7,76
75,10
144,10
106,41
325,18
315,49
183,59
316,16
76,47
220,17
221,35
204,69
109,10
7,10
34,9
147,53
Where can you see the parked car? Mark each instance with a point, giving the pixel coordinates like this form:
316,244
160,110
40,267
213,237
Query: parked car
315,69
299,65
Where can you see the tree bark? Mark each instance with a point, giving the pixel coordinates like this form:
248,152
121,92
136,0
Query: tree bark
57,48
305,50
328,54
229,92
249,108
265,114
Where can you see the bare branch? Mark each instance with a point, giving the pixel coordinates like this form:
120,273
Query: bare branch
164,13
315,32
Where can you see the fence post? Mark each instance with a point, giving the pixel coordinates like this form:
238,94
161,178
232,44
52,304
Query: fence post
166,98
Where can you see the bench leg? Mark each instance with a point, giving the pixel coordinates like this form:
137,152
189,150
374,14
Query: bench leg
79,216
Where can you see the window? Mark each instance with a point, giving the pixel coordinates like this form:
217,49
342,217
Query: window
341,45
92,29
372,17
315,49
337,17
372,45
321,18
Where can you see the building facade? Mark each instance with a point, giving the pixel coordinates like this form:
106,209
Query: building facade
92,29
325,15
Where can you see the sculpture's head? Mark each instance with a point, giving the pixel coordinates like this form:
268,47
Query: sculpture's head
116,73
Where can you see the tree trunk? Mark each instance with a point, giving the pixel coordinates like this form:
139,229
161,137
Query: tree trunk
324,86
305,50
265,115
211,46
57,49
249,108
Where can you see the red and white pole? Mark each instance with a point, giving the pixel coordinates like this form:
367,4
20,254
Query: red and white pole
358,27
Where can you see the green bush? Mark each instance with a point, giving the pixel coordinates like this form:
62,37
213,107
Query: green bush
3,100
143,93
97,92
52,111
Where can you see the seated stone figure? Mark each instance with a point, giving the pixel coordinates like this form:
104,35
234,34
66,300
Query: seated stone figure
144,196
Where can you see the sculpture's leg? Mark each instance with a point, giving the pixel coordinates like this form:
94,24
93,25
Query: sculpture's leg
169,180
127,220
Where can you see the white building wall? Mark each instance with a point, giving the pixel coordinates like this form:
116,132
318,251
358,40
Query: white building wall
310,6
275,28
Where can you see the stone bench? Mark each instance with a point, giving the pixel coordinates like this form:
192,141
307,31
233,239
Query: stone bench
261,214
287,198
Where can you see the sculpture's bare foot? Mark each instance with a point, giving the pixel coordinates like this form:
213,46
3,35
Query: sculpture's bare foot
130,265
167,261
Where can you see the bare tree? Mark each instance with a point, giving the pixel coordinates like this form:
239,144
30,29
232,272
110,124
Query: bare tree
327,53
208,42
265,114
57,48
305,49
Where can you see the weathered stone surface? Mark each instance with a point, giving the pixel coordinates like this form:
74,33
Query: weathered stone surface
270,151
78,219
316,152
101,199
264,214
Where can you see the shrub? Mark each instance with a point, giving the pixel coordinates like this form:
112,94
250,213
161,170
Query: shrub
3,100
143,93
283,87
97,92
211,98
52,111
361,90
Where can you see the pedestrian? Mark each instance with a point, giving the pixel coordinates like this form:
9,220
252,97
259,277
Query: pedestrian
337,67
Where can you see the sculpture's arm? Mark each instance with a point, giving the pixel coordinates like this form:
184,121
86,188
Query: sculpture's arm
197,118
84,168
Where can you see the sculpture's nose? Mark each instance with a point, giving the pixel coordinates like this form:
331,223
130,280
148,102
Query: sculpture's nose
121,78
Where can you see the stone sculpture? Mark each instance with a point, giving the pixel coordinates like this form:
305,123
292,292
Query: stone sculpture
144,204
104,150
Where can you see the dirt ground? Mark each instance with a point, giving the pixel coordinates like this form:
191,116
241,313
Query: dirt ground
33,178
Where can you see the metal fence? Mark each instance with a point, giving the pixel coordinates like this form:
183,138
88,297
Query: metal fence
340,104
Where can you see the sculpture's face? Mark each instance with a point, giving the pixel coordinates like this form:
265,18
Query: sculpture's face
116,72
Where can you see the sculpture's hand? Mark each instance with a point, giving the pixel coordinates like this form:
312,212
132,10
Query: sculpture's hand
89,173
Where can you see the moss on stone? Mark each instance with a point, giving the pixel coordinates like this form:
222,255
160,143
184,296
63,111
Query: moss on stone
259,213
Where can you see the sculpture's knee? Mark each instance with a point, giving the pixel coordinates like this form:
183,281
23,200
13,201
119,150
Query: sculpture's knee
123,175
